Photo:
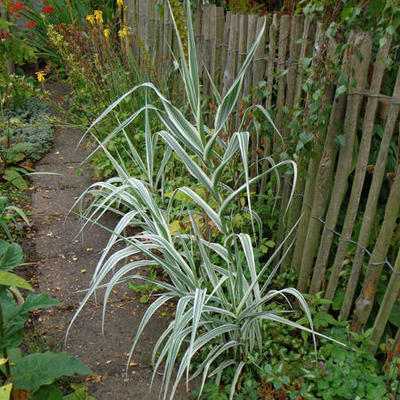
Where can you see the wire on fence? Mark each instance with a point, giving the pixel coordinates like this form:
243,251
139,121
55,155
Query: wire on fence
385,262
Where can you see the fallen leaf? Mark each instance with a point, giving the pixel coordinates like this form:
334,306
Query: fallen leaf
133,363
89,249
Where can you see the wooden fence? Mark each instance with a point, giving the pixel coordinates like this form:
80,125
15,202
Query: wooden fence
344,181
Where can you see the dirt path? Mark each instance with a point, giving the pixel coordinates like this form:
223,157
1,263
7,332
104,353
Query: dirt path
65,267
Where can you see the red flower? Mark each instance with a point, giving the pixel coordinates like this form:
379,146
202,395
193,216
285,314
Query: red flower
31,24
15,8
4,35
48,9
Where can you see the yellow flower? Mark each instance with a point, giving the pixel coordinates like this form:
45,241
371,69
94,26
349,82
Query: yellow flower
107,32
123,32
90,18
40,76
99,16
120,3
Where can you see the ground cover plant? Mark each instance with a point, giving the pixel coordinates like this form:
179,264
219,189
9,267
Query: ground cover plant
26,126
222,290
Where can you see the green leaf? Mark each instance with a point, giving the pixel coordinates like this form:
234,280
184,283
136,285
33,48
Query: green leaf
47,393
382,41
11,255
346,13
80,393
15,178
340,90
14,354
144,299
341,140
3,204
5,392
35,302
36,370
13,280
15,316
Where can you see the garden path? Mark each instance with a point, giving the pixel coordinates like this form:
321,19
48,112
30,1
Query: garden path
65,266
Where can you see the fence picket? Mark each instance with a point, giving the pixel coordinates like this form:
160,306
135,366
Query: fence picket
232,50
218,45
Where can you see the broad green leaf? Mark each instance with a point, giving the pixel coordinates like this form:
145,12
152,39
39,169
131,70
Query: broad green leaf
13,280
11,255
36,370
38,301
5,392
15,178
47,393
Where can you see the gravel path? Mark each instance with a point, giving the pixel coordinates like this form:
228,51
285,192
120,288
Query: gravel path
65,266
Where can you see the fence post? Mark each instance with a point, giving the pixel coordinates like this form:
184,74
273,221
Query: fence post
370,208
361,168
361,67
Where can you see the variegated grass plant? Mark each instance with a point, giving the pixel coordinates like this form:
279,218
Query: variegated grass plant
222,297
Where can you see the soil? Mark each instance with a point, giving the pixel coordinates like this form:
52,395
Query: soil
65,262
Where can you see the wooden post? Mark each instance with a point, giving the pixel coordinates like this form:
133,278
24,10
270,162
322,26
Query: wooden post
361,168
318,146
370,208
363,44
251,37
205,49
365,301
391,295
323,180
219,43
232,50
281,66
242,51
269,72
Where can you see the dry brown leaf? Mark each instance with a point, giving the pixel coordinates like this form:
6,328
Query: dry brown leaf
133,363
19,394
